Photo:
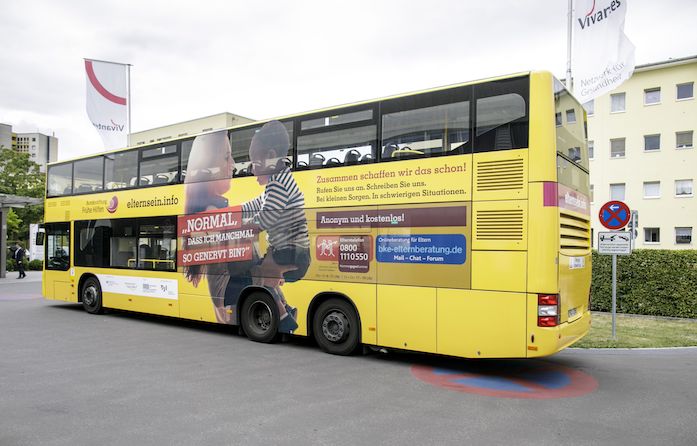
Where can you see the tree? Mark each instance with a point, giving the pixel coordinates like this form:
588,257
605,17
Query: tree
21,176
13,225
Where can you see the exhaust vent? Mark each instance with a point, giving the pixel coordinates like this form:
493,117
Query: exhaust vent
499,224
500,175
574,234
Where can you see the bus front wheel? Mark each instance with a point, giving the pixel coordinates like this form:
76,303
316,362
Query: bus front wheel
91,295
259,317
335,327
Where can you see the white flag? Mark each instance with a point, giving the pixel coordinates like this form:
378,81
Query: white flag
603,56
107,101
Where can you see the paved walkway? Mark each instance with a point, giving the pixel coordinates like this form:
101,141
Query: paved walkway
11,277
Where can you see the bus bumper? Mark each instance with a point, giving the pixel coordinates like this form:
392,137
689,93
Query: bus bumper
545,341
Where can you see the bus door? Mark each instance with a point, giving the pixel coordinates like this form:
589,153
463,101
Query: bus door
57,280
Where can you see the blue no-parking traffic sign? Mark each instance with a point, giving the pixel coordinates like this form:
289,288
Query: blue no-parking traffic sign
614,215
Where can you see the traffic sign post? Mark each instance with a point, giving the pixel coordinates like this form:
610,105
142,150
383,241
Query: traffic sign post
615,215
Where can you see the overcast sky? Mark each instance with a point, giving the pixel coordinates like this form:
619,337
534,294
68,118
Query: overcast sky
271,58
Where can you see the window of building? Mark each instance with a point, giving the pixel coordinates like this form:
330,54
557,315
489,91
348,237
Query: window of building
652,96
652,143
590,107
683,188
686,90
652,235
683,140
33,140
652,189
683,235
617,148
557,119
574,154
617,191
571,116
617,102
591,150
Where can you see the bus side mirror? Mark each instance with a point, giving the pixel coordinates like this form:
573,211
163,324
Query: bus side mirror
40,238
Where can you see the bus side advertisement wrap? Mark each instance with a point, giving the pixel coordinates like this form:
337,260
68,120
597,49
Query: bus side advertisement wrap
424,180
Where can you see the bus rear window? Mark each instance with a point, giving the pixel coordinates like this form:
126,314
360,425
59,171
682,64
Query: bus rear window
570,130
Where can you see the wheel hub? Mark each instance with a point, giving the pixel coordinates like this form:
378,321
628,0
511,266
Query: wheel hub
261,316
89,297
335,326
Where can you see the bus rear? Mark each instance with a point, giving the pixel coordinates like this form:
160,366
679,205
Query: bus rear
560,244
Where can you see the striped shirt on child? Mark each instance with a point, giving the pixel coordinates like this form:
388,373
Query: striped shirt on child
279,211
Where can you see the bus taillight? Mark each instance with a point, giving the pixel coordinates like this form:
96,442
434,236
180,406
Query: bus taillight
547,310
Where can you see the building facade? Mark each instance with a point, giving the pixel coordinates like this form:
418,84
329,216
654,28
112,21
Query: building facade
641,145
186,128
6,139
42,149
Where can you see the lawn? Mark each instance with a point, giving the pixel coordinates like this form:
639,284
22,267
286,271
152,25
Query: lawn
639,331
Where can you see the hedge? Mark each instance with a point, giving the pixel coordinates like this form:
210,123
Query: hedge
33,265
651,282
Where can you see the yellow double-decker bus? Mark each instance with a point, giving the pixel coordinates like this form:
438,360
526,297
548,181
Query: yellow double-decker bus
452,221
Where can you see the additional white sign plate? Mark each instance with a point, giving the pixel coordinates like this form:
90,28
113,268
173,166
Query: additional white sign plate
139,286
616,242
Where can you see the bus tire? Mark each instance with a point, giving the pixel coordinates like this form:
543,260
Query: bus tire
259,317
91,296
336,328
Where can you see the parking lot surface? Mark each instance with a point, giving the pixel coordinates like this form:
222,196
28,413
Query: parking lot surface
69,378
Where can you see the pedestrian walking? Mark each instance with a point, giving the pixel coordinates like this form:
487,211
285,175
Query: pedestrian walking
19,260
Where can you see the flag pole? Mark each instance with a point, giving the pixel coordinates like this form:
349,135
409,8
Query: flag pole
569,78
128,137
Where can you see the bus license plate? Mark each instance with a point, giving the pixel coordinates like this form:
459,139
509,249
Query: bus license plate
572,313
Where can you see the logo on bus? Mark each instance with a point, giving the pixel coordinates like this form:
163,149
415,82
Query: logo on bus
113,204
327,247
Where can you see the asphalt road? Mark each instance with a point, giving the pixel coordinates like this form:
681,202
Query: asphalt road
69,378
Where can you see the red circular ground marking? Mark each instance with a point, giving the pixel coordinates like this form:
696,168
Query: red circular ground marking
508,379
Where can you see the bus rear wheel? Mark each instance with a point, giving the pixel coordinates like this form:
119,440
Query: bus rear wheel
91,296
259,317
336,328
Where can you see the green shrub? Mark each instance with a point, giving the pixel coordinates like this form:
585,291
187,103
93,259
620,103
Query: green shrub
652,282
10,266
35,265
